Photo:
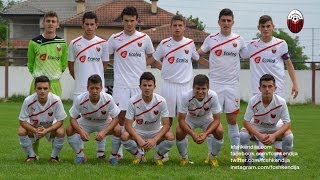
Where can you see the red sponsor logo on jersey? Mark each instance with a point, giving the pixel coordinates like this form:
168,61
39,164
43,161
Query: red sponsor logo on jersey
43,57
98,49
257,59
273,115
139,44
234,44
139,121
218,52
123,54
295,21
274,50
171,59
186,51
103,112
35,121
256,121
83,58
50,113
156,112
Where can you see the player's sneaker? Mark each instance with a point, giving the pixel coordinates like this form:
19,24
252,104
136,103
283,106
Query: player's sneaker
137,160
248,161
214,162
55,159
158,162
206,161
260,156
119,156
80,160
103,157
31,159
165,157
184,162
237,158
113,161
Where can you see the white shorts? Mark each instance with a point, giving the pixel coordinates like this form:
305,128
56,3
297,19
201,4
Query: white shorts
91,126
147,134
121,96
202,123
172,93
229,96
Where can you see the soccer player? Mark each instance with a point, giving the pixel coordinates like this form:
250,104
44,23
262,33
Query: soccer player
42,115
47,54
95,108
225,48
267,108
152,126
268,54
199,108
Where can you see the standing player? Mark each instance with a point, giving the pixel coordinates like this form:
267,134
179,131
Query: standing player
148,110
268,55
37,116
267,109
47,54
95,107
224,71
199,108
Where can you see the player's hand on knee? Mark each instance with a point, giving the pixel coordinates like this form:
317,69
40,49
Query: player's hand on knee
99,136
84,136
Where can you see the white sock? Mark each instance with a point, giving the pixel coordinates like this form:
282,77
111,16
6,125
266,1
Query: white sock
101,146
287,143
165,147
278,144
77,144
183,148
131,146
115,145
233,131
209,143
26,144
216,146
57,146
245,142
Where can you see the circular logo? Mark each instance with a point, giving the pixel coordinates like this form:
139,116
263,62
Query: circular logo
295,21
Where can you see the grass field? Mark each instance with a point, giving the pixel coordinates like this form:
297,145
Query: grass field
305,123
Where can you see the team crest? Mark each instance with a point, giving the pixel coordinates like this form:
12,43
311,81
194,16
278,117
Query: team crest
58,47
98,49
257,59
171,59
274,50
186,51
83,58
273,116
156,112
256,121
50,113
139,121
35,121
123,54
103,112
43,57
218,52
235,44
139,44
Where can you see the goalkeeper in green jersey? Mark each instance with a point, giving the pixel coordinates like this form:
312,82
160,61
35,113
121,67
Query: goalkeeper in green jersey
48,53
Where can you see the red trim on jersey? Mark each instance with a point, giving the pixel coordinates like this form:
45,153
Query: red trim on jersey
214,35
77,40
202,105
126,44
84,101
268,111
256,104
136,101
223,43
192,98
178,48
166,41
90,46
265,48
149,109
32,103
44,110
97,109
118,35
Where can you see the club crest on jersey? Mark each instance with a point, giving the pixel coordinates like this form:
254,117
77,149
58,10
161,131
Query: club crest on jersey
139,44
257,59
156,112
256,121
235,44
186,51
83,58
98,49
50,113
43,57
58,47
139,121
171,59
123,54
35,121
218,52
103,112
273,116
274,50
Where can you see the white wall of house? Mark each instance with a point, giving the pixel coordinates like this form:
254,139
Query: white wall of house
20,78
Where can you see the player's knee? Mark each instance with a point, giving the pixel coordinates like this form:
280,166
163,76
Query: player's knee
169,136
125,136
69,130
218,133
117,131
180,135
60,132
22,131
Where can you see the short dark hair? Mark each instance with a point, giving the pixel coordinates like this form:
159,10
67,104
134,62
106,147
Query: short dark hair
265,18
225,12
129,11
267,77
147,76
90,15
41,79
50,14
178,17
200,80
94,79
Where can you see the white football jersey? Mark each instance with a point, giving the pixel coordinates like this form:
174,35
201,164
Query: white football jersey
96,113
268,58
224,58
129,57
42,115
87,56
267,117
177,59
200,109
147,117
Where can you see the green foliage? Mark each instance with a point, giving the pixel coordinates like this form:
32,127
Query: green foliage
199,24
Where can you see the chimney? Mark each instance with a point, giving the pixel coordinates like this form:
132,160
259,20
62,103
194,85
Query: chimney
154,6
80,6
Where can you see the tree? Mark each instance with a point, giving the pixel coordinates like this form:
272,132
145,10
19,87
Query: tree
199,24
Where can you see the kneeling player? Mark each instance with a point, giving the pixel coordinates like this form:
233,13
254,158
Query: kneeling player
37,116
267,109
199,108
147,110
90,113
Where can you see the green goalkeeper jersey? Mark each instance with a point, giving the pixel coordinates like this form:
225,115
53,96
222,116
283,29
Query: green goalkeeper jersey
47,57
